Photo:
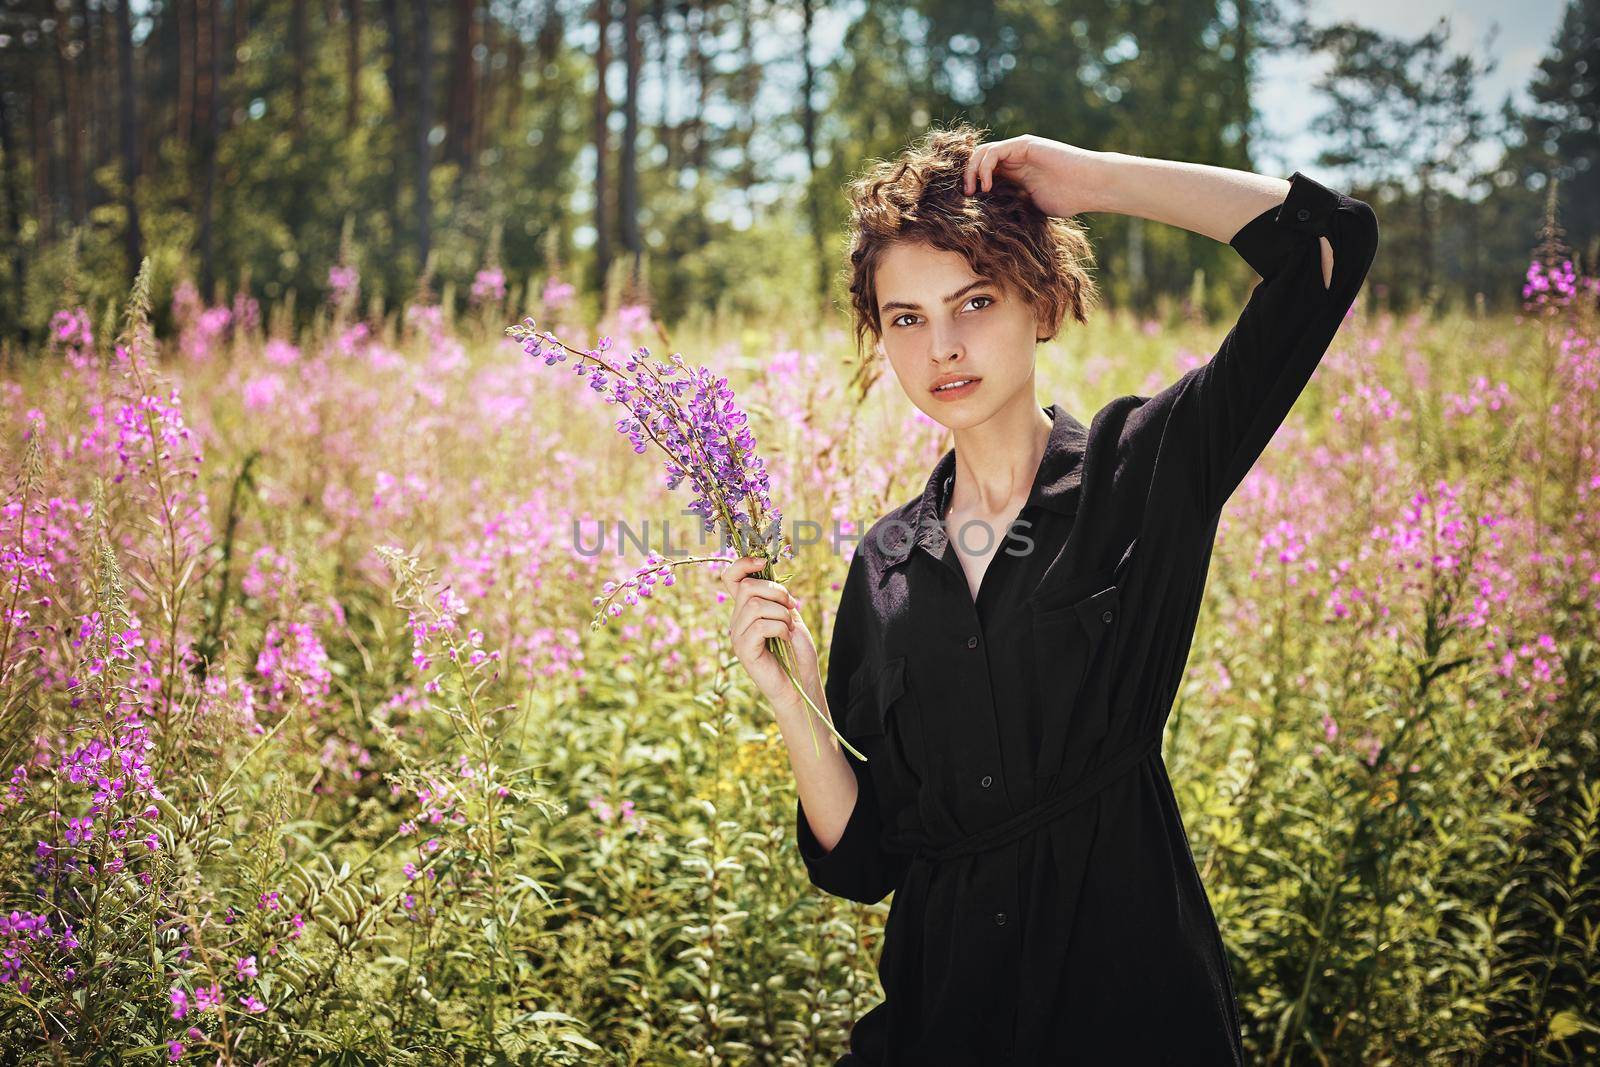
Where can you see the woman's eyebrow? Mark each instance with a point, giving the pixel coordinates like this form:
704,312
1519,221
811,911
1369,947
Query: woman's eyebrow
953,296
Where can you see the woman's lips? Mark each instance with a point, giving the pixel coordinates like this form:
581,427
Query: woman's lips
959,391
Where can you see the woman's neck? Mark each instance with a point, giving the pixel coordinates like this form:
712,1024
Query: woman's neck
998,460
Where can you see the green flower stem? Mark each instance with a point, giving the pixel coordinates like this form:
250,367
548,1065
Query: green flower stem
784,652
781,648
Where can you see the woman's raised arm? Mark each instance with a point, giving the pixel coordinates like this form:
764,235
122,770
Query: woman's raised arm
1312,247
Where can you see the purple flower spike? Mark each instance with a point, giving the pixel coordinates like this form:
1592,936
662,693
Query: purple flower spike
691,415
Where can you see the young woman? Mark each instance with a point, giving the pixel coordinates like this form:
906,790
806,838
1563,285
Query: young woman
1009,642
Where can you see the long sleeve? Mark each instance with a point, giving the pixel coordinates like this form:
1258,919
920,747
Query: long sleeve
857,867
1227,410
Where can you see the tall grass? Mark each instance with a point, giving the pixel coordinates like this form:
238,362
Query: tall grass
312,753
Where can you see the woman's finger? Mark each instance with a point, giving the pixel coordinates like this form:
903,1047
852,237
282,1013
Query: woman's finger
769,590
738,569
991,160
969,177
757,608
727,576
747,587
748,644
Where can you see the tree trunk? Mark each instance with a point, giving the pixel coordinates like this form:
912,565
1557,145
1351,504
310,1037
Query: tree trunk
241,20
39,145
630,147
664,133
808,126
602,109
1425,231
701,63
552,30
97,50
511,90
745,94
183,16
211,136
456,93
1243,54
488,81
393,72
133,240
68,69
424,205
8,156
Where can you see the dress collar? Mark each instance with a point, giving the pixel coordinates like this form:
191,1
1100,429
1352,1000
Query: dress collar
1055,486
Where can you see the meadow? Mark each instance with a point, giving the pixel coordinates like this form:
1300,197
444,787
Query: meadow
314,755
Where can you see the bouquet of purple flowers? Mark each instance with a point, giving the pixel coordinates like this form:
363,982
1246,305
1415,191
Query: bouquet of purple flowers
689,414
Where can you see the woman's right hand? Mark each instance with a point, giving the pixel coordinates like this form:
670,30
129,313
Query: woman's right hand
763,609
1061,179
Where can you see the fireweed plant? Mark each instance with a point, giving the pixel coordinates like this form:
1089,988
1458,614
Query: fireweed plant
688,413
1392,751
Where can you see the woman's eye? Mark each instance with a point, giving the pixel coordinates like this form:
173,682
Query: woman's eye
897,320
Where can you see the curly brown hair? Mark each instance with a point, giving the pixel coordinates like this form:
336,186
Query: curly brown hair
1002,234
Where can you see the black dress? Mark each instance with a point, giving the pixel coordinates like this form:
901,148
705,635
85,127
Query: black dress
1047,908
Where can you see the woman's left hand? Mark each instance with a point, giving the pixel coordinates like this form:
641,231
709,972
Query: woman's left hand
1060,178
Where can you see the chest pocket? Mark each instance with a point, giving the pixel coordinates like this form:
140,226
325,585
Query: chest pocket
878,720
873,691
1072,629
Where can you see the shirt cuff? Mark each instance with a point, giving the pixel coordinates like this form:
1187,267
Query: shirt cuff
841,869
1267,240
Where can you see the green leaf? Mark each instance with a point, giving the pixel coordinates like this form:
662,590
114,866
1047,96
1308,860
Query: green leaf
1565,1024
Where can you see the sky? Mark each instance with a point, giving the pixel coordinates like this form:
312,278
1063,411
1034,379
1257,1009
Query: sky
1284,95
1289,111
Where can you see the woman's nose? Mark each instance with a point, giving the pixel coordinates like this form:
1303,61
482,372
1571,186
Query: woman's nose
946,344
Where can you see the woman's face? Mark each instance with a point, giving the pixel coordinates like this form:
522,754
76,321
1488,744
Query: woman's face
982,331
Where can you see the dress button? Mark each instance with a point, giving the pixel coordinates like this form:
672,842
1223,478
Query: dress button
986,781
1105,616
1303,214
999,918
972,642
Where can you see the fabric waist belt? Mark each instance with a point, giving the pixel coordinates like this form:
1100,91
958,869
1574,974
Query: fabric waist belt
1030,819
